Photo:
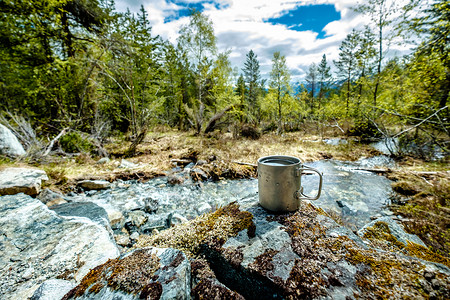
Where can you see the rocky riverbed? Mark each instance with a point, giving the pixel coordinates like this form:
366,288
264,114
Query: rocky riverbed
182,236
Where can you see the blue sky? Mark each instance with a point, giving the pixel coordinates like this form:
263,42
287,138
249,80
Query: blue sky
302,30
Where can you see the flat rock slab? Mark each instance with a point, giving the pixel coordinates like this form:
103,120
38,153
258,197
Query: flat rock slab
36,244
21,180
149,273
94,184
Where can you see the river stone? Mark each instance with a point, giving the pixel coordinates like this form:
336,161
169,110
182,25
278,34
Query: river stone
174,179
94,184
9,144
204,208
149,273
37,244
21,180
84,209
396,230
103,160
53,289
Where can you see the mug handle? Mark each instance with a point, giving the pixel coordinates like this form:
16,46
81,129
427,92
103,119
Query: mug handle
300,194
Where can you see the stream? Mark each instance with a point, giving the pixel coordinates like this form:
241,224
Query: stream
352,194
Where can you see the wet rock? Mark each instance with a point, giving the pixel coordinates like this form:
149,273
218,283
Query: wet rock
175,179
175,219
21,180
393,228
150,273
158,222
94,184
299,255
9,144
38,244
53,289
150,205
84,209
135,220
47,195
204,208
103,160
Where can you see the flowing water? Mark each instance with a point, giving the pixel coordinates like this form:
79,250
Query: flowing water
352,194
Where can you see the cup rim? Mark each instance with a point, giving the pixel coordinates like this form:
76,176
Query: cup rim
293,159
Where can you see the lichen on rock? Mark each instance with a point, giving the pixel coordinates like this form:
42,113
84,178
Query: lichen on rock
212,229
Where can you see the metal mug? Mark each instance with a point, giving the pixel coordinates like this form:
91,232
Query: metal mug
279,183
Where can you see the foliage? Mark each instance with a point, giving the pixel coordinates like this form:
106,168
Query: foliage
73,142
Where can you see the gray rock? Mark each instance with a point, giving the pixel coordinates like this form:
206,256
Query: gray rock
103,160
21,180
396,229
158,222
135,220
308,255
150,205
47,195
83,209
204,208
175,219
148,273
116,218
37,244
122,239
175,179
9,144
94,184
53,289
125,164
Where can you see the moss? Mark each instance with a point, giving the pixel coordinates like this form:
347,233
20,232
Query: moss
132,274
380,231
213,229
263,262
424,253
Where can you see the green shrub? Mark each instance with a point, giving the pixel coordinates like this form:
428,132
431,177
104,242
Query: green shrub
73,142
365,129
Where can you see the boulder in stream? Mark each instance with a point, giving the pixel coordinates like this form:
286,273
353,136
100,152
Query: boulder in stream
21,180
306,254
37,244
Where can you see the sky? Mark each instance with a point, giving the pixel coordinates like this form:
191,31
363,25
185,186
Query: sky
302,30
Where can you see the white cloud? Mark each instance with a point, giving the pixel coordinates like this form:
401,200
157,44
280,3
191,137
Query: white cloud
239,26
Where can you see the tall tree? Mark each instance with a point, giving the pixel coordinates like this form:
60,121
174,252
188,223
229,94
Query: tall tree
436,27
347,62
381,13
279,84
252,77
324,78
311,79
197,39
240,92
365,57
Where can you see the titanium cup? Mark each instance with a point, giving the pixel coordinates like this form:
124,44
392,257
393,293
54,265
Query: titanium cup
279,183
